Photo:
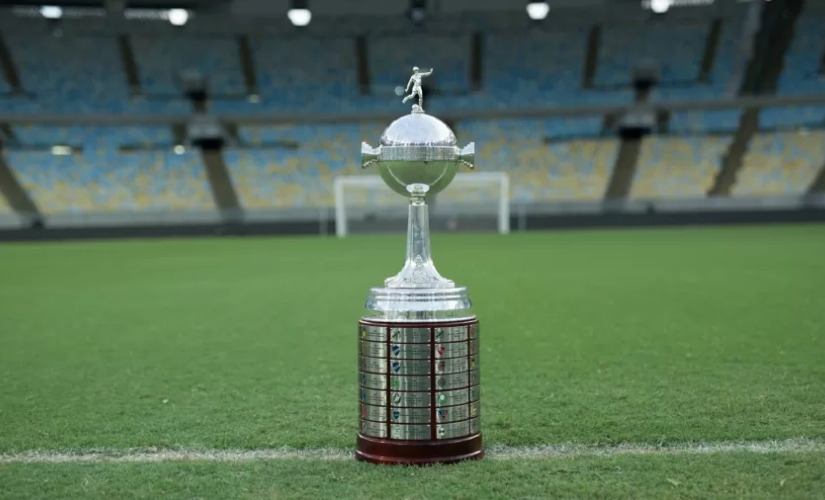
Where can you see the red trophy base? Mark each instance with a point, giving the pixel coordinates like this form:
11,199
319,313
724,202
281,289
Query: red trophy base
395,452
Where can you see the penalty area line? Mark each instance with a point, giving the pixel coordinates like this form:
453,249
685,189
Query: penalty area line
153,455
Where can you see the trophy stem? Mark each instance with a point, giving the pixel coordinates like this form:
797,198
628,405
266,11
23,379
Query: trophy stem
419,270
418,231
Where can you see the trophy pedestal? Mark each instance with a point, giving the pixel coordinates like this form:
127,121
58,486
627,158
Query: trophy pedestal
419,397
394,452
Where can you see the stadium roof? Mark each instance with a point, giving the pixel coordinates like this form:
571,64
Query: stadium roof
330,7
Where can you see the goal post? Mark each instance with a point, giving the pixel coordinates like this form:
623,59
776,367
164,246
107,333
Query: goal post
481,192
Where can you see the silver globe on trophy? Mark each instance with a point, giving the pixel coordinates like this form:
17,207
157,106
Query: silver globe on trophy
419,395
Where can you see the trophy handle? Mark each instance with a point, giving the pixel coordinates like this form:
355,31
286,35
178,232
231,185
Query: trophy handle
369,155
467,155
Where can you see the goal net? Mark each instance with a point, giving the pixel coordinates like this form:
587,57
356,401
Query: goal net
475,201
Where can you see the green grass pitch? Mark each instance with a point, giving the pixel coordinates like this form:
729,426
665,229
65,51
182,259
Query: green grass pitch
588,337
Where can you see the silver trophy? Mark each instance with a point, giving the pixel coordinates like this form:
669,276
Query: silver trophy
418,340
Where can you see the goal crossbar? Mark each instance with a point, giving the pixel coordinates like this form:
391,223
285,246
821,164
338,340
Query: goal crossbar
476,179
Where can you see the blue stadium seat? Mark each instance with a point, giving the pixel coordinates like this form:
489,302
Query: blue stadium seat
161,59
792,117
102,179
677,47
391,60
678,167
780,163
300,178
577,169
76,74
536,67
729,59
306,73
801,73
698,122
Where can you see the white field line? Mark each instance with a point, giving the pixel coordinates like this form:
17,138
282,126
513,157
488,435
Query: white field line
149,455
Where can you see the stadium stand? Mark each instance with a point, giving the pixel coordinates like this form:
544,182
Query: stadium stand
391,58
286,178
76,74
678,167
701,122
302,178
546,69
575,169
781,163
524,65
792,117
680,60
802,71
5,209
623,46
101,179
160,60
288,83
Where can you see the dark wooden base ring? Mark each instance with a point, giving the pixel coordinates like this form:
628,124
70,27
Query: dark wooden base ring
396,452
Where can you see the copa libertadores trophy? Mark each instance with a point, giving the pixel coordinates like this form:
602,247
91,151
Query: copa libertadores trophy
418,339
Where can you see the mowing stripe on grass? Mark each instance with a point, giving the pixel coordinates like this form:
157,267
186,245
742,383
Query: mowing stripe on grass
146,455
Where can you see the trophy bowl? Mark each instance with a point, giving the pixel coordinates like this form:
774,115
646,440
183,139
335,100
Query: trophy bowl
417,149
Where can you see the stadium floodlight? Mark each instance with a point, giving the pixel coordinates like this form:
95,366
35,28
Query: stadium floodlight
179,149
537,10
299,13
178,17
660,6
51,12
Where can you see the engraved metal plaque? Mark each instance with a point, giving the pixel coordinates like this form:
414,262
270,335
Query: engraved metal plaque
373,349
373,333
410,383
410,415
375,429
450,334
373,381
475,425
452,430
410,335
473,347
410,399
374,365
409,367
451,381
373,397
452,413
451,398
474,393
417,432
374,413
472,362
453,365
474,331
475,378
451,350
410,351
475,409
